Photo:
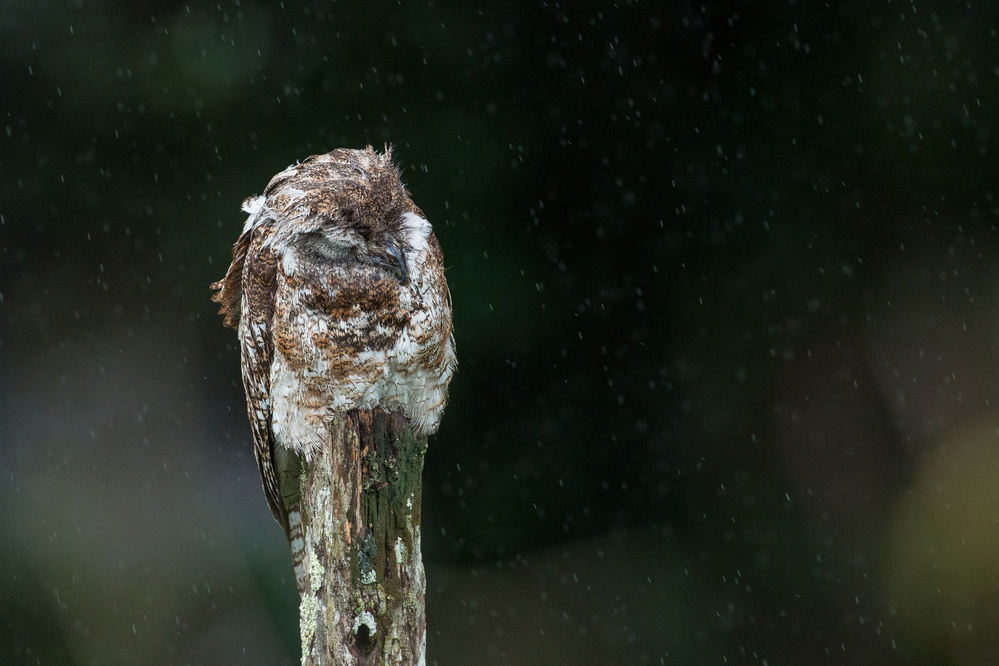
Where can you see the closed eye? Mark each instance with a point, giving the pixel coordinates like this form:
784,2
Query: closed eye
338,247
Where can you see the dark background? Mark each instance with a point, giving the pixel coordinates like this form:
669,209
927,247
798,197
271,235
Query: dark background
726,288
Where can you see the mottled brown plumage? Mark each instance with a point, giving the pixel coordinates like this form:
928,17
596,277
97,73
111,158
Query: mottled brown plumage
337,290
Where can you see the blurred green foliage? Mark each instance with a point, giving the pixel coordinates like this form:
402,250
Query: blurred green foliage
724,278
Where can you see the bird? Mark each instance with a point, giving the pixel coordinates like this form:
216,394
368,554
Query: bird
338,294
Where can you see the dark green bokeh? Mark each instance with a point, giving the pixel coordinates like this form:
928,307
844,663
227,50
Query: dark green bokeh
725,287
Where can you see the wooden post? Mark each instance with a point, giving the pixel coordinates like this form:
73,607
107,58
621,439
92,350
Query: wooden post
365,597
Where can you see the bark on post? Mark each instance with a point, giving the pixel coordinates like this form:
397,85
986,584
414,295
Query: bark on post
365,597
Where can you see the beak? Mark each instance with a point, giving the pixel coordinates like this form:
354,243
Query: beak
394,261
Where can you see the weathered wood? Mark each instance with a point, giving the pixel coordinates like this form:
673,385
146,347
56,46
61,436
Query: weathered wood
365,597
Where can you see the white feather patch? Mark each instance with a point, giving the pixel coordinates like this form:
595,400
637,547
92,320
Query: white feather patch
417,230
253,205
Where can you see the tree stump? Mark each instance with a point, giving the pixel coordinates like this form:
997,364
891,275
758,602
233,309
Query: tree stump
364,601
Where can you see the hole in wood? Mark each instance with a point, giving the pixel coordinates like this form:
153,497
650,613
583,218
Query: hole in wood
363,639
364,634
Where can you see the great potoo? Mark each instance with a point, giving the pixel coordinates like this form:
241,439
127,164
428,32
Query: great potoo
337,291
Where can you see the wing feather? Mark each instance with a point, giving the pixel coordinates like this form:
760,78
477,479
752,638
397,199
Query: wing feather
259,284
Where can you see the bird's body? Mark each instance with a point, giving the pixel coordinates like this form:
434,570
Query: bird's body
337,291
